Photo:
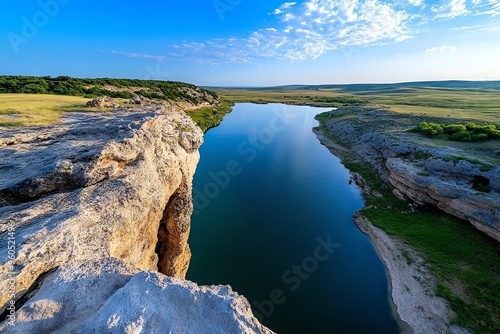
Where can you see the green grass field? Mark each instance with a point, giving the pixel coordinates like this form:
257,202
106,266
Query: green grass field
451,103
38,109
209,117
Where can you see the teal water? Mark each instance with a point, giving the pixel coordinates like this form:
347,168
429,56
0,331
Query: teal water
273,219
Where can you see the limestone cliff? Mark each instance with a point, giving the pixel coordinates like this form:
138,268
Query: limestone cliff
96,187
450,192
424,171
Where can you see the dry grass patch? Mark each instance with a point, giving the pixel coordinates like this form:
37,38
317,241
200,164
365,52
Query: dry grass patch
38,109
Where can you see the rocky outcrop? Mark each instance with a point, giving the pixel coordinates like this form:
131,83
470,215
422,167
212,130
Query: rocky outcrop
98,186
102,102
140,100
93,207
110,296
426,173
451,192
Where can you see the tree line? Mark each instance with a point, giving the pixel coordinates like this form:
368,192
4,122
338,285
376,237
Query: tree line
64,85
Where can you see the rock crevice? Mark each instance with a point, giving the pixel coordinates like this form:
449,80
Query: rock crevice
172,247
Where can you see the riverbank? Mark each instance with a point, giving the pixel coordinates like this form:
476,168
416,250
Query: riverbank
442,270
411,284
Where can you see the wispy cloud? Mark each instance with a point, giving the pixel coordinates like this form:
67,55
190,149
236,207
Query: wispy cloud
139,55
494,26
442,48
451,9
283,7
417,3
493,9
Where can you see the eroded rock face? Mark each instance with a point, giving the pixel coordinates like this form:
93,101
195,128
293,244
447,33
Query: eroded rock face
97,186
420,170
102,102
110,296
450,192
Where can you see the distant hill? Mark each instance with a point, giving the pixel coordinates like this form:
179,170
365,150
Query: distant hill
117,88
454,84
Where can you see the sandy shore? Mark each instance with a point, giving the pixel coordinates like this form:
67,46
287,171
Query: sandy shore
412,285
415,306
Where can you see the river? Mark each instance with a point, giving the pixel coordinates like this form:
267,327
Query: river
273,219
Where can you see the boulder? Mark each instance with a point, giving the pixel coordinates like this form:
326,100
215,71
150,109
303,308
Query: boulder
102,102
140,100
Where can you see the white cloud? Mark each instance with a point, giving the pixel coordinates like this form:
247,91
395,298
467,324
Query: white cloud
310,29
442,48
494,8
418,3
451,9
478,28
139,55
283,7
287,5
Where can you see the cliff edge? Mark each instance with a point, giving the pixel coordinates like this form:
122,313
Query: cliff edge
448,176
102,196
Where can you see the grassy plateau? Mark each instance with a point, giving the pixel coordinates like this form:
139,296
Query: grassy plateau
473,103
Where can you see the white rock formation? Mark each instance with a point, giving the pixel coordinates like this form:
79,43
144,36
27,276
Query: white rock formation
110,296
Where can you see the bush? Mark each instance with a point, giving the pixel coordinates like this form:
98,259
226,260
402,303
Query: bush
467,132
453,128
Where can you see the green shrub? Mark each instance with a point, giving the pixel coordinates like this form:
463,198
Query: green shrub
454,128
467,132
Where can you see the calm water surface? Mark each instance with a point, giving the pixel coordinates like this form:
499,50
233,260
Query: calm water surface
273,219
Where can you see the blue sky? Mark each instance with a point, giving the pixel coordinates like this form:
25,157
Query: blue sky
253,43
